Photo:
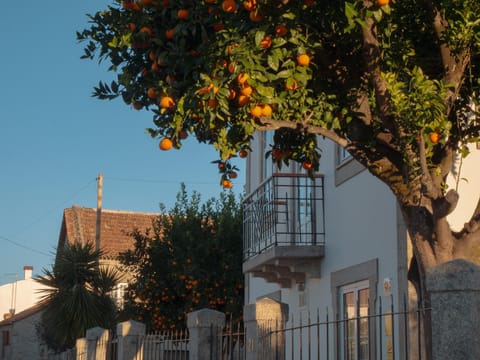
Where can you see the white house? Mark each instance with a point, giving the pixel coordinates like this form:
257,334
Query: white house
326,251
20,294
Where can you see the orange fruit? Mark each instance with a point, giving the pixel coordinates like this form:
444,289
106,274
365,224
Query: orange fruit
232,67
227,184
151,93
303,60
146,30
183,134
246,90
281,30
165,144
229,5
291,85
243,153
256,111
233,175
213,103
169,34
309,3
155,66
266,42
266,110
276,154
166,102
136,105
231,94
152,56
250,5
132,26
218,27
383,2
242,100
182,14
307,165
255,16
242,78
434,137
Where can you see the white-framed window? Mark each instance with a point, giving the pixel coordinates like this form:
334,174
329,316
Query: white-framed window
268,164
354,311
342,155
118,294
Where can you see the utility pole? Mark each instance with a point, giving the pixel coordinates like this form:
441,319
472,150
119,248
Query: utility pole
99,210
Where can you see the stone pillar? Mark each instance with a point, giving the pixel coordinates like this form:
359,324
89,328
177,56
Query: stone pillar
205,327
97,343
81,349
264,316
454,288
130,336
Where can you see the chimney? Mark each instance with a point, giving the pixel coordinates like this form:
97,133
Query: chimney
28,270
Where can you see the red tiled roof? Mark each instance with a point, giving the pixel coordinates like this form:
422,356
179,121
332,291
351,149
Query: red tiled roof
79,225
23,314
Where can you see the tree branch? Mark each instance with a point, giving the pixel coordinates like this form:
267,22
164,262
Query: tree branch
267,123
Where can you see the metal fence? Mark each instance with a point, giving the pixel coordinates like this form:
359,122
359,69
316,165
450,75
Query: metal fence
387,336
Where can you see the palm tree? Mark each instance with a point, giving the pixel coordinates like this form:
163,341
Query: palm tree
78,296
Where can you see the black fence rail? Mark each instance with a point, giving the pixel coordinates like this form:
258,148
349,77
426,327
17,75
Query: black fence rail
383,334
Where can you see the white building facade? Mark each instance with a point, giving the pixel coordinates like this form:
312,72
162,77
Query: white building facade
329,249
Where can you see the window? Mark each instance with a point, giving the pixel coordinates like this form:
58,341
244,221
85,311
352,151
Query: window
5,337
267,163
354,291
354,325
118,295
342,155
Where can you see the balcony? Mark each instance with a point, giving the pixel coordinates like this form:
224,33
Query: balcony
284,229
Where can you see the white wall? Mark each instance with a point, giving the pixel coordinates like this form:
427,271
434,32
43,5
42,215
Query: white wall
360,225
21,294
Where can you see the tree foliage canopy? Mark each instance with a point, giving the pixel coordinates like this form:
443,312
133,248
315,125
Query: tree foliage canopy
191,260
78,296
395,83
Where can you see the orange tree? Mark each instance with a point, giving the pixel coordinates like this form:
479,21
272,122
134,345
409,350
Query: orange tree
191,260
395,83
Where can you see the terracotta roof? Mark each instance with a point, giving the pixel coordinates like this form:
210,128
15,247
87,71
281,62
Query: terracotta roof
23,314
79,225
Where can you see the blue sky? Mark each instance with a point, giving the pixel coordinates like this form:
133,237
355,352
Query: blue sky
55,138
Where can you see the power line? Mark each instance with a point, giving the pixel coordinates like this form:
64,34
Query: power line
159,181
24,246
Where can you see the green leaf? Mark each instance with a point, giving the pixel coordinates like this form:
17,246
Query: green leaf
273,62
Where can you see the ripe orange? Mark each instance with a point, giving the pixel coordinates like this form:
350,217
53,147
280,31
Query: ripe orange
250,5
165,144
255,16
221,165
213,103
136,105
242,100
383,2
218,27
281,30
266,42
182,14
155,66
291,85
246,90
256,111
243,153
276,154
233,175
166,102
229,5
242,78
132,26
309,3
169,34
232,67
183,134
434,137
231,94
151,93
146,30
266,110
227,184
303,60
152,56
307,165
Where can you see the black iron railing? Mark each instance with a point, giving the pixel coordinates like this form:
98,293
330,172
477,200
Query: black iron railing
286,209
